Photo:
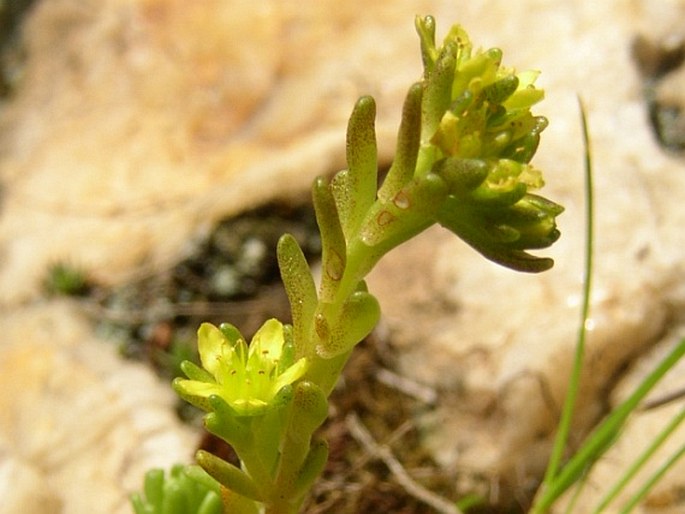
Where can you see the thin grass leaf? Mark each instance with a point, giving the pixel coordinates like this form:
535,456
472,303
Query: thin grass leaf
561,439
605,434
640,461
653,480
574,383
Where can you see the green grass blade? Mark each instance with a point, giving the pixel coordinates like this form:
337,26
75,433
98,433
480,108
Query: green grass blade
558,480
653,480
605,434
562,436
640,461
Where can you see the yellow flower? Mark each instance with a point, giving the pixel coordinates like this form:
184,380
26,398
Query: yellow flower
478,137
248,379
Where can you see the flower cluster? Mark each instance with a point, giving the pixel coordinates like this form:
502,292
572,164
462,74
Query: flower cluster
481,136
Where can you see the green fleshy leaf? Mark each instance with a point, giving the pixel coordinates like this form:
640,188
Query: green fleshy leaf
410,212
464,101
300,288
489,199
408,142
533,220
283,397
309,408
211,504
154,488
334,251
178,493
267,432
355,189
425,26
235,503
500,90
437,93
225,423
523,149
358,317
228,475
180,386
200,476
465,223
175,501
311,468
231,333
288,352
461,175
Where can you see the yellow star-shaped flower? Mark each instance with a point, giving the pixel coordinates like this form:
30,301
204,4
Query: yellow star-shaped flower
247,378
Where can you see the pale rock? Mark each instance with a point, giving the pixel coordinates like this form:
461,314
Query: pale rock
79,426
23,487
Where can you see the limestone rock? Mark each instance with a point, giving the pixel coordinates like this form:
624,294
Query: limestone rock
79,426
23,487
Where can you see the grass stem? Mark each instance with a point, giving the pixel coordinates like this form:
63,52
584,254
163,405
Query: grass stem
561,439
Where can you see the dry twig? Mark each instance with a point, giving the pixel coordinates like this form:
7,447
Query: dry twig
383,452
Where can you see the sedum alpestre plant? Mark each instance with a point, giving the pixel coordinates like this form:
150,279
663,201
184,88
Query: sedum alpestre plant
465,143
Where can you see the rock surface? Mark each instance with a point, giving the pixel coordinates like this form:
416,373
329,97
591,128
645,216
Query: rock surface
138,124
78,427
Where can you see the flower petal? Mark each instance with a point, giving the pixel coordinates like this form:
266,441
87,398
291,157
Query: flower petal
268,341
209,343
195,388
291,374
